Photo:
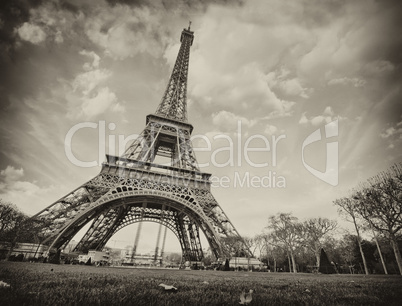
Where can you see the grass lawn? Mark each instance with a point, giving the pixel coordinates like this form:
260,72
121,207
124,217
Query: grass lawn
48,284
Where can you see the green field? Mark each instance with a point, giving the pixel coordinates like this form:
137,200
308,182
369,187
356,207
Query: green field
47,284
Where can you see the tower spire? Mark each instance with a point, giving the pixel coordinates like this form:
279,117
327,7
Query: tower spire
174,101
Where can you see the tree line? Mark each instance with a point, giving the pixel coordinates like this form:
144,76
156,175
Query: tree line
374,208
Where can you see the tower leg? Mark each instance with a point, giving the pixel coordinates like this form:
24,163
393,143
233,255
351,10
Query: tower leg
138,234
183,237
157,243
163,244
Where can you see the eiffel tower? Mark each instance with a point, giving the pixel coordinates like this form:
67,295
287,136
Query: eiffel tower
135,188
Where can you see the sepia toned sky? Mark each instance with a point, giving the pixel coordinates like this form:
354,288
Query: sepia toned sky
259,70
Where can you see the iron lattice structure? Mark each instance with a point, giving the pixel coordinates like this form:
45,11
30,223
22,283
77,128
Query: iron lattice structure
135,188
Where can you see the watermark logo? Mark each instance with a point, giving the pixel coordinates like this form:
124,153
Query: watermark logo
255,156
330,175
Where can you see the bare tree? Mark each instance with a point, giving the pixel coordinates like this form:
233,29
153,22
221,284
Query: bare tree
285,229
347,208
259,244
253,244
235,246
347,251
315,230
378,248
380,204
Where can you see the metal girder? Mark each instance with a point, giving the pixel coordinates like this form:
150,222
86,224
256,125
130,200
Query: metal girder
102,229
108,219
183,238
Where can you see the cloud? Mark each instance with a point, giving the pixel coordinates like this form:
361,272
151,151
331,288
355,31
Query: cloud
15,189
378,68
92,77
389,132
229,73
392,131
303,119
98,104
60,24
245,88
31,33
86,82
326,117
356,82
270,129
225,121
281,79
12,15
95,57
351,39
285,110
123,31
174,4
94,98
11,174
59,37
393,135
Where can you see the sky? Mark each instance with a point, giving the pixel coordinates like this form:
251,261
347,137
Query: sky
263,76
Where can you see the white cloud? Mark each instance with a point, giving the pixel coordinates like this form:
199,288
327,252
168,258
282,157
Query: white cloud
245,88
94,56
284,111
58,24
303,119
270,129
281,79
87,81
393,130
31,32
12,174
226,121
393,135
293,87
93,77
320,119
119,108
46,15
24,194
326,117
99,103
95,97
231,73
328,111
